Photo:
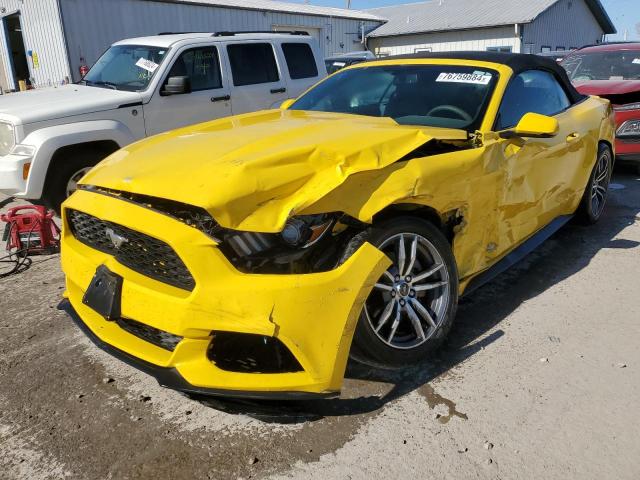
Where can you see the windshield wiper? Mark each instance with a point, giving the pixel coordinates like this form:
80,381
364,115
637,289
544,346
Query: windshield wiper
100,83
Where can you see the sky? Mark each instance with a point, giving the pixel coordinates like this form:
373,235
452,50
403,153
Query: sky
624,13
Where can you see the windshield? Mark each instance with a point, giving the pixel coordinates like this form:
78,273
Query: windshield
618,65
430,95
126,67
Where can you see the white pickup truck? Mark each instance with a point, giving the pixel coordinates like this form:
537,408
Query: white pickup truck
140,87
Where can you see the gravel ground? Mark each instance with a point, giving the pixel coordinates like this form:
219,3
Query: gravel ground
541,379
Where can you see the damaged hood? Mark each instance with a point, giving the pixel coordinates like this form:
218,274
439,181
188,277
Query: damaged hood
252,172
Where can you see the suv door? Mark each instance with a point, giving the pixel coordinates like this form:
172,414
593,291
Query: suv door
539,172
209,98
302,66
258,82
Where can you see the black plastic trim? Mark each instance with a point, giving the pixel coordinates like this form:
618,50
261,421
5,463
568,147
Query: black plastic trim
170,378
518,254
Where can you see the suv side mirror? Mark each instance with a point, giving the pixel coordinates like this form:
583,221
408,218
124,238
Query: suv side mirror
287,103
533,125
176,86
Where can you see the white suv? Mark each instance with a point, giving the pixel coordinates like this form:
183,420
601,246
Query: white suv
50,138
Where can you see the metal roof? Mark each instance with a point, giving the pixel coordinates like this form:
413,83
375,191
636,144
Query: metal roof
285,7
444,15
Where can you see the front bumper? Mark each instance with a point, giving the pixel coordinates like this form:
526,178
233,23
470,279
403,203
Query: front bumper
313,315
12,182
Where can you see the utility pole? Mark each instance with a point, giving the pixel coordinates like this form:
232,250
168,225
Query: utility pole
348,4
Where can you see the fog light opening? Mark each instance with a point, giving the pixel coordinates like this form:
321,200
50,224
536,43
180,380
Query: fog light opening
248,353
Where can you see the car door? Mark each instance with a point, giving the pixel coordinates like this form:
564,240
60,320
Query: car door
302,67
539,172
258,81
209,97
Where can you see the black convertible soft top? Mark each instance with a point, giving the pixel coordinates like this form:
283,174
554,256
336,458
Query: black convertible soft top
518,62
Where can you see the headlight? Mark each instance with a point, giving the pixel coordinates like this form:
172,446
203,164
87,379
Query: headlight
297,247
630,106
7,138
630,128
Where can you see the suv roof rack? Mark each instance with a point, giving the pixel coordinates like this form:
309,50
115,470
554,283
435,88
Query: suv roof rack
177,33
288,32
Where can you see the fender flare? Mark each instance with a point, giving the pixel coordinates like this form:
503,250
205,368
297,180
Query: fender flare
49,140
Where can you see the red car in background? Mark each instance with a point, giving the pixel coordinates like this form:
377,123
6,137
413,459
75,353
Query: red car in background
612,71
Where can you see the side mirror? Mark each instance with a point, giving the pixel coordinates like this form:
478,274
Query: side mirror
287,103
533,125
176,86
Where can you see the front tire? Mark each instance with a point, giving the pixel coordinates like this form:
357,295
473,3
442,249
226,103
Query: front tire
411,308
64,176
597,190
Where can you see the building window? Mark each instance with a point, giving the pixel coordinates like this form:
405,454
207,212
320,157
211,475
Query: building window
545,49
300,60
421,49
252,63
499,49
559,49
528,48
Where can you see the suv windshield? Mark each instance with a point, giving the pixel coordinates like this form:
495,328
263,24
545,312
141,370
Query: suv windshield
126,67
430,95
617,65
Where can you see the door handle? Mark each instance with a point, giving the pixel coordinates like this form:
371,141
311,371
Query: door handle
224,98
573,137
278,90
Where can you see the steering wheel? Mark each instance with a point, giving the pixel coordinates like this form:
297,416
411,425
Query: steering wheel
450,108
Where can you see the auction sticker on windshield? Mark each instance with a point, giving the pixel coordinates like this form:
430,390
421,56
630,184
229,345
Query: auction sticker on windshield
475,78
147,65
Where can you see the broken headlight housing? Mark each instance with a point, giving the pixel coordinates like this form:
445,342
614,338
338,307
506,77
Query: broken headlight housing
629,129
294,250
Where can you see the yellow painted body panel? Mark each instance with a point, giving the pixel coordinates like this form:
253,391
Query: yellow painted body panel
253,172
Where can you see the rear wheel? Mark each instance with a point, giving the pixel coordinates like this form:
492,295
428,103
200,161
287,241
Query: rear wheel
595,195
411,308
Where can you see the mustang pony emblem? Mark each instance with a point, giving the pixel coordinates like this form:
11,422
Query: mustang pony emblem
116,240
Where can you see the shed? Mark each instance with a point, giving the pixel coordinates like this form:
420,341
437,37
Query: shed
519,26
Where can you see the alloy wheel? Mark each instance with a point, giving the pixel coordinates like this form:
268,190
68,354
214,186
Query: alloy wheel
72,184
600,184
409,302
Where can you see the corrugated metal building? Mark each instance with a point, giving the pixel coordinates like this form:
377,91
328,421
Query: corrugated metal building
48,40
521,26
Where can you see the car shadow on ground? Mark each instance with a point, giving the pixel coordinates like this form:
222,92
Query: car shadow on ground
477,323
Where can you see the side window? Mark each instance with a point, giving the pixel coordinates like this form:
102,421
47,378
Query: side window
300,60
534,91
201,65
252,63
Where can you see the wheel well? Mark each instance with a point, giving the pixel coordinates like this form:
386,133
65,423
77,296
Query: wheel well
445,223
101,149
608,144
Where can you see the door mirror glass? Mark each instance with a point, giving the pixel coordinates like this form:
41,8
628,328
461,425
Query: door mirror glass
533,125
287,103
177,86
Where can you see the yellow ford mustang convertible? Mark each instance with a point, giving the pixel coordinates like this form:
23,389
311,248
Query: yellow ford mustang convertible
251,256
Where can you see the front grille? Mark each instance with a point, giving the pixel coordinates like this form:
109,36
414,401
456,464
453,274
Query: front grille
159,338
141,253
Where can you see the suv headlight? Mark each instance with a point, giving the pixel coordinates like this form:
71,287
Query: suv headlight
630,128
7,138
